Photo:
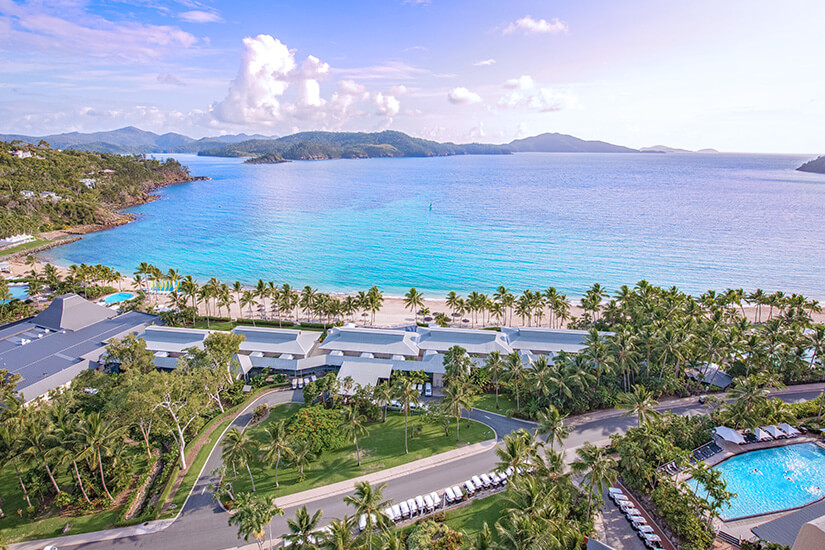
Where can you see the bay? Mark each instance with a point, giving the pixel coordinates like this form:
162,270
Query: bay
530,220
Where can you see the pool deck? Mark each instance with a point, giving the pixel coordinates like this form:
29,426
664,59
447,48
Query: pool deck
781,526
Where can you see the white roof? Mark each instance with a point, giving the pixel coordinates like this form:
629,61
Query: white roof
474,341
366,340
729,434
365,373
277,340
173,339
547,340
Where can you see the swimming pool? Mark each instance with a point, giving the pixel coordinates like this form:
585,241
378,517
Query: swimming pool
17,293
117,298
773,479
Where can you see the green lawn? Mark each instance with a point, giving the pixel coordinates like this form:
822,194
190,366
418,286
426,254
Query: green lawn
25,246
471,518
487,402
229,325
382,448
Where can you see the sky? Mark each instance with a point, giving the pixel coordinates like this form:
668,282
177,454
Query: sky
735,75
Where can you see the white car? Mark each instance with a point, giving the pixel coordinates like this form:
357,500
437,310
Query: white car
420,388
428,389
436,499
300,383
471,489
485,480
448,492
457,492
428,502
405,510
294,383
495,479
362,521
477,482
388,512
396,512
419,501
644,529
412,506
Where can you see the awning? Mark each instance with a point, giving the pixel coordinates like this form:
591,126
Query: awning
729,434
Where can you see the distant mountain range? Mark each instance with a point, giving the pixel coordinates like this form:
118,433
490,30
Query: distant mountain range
666,149
316,145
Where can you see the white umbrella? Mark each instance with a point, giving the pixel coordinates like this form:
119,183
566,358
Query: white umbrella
729,434
774,431
761,434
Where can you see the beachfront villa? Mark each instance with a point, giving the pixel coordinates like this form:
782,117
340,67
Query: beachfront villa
68,337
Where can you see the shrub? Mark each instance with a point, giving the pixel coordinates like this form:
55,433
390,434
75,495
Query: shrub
259,413
678,509
430,535
319,426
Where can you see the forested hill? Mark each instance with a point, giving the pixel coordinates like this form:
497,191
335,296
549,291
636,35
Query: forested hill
50,189
331,145
817,166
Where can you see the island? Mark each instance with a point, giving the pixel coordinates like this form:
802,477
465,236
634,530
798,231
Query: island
268,158
816,166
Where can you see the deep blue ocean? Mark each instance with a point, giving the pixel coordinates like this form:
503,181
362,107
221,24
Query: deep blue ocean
465,223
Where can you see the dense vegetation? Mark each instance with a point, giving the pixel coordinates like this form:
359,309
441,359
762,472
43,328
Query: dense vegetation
268,158
331,145
114,183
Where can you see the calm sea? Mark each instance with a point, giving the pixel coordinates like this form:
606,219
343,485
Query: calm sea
475,222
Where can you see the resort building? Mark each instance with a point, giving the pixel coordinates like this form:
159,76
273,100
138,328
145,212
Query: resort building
366,342
66,338
276,342
21,153
169,343
478,343
546,341
360,372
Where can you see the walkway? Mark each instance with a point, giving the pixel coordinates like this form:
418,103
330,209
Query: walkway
202,524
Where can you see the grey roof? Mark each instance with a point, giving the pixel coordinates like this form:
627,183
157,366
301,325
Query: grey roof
365,373
46,359
71,312
276,340
712,375
546,340
173,339
361,340
474,341
784,530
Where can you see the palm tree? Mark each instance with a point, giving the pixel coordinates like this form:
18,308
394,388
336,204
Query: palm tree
640,402
382,394
551,424
407,394
189,288
8,451
96,436
495,367
339,535
302,456
414,300
301,529
458,397
247,300
515,373
275,446
599,470
368,501
354,425
252,514
516,451
237,448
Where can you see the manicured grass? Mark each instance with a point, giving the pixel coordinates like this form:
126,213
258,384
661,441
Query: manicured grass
487,402
471,518
25,246
229,325
383,448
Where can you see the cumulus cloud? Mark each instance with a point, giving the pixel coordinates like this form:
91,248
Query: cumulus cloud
273,89
463,96
484,63
59,30
524,82
530,25
200,16
543,100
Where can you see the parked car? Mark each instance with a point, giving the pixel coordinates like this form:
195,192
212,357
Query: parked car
396,512
485,480
313,378
300,383
362,521
448,492
428,502
457,492
419,502
428,389
405,510
494,477
412,506
436,499
388,512
471,489
477,482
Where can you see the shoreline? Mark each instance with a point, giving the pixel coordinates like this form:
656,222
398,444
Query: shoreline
393,312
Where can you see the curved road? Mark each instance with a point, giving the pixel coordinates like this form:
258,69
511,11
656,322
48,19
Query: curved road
202,525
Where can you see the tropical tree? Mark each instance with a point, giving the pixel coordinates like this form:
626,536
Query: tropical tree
414,300
252,513
354,426
495,367
275,446
302,456
237,448
407,394
515,374
598,468
551,424
301,529
369,502
640,402
458,397
96,439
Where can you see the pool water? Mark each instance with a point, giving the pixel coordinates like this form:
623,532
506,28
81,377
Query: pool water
17,293
117,298
773,479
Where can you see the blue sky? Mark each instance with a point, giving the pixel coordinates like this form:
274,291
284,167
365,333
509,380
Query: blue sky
734,75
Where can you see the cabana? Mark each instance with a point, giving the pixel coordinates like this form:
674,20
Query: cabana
761,434
775,432
729,434
788,429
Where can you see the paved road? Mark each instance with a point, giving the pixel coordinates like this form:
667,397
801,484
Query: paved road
203,525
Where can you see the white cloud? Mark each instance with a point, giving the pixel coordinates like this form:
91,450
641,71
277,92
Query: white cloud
543,100
463,96
273,89
484,63
524,82
62,30
387,105
200,16
166,78
529,25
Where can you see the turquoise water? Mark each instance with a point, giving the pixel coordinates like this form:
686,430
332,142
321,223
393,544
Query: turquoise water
785,477
17,293
529,220
117,298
